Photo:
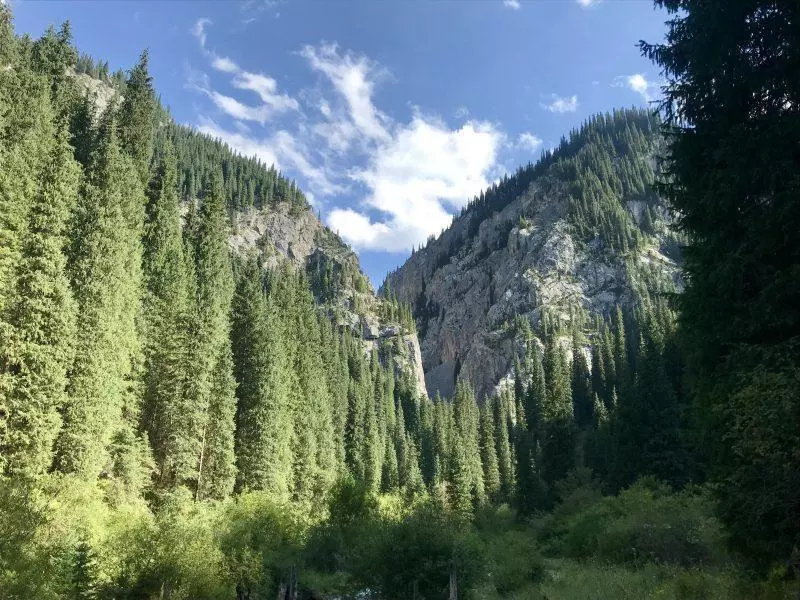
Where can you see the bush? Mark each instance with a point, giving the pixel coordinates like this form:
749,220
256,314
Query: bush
261,541
645,523
422,548
512,555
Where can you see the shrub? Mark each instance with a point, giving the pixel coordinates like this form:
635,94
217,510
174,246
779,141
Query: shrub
645,523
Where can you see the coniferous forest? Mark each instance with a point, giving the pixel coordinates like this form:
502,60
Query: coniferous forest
180,421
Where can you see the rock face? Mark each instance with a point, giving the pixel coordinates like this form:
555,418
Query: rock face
469,285
280,233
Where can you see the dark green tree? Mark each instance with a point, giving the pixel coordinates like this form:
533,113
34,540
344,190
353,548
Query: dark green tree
731,120
166,306
136,116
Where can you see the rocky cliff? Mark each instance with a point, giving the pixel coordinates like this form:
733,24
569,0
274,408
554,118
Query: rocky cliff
544,245
286,233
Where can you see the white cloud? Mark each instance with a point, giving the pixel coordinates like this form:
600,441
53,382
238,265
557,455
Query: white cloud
639,84
587,3
351,77
226,65
325,109
267,90
558,104
242,144
529,141
199,30
414,179
512,4
238,110
411,175
265,87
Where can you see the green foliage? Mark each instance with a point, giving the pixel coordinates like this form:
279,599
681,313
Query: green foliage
419,551
645,523
732,177
136,116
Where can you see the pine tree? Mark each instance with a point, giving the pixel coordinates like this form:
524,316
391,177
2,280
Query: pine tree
209,391
262,430
536,392
390,475
582,401
40,321
491,469
732,128
105,266
217,468
503,447
557,434
85,574
136,116
166,307
467,472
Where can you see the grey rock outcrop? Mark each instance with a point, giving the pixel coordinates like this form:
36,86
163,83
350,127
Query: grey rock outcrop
280,233
469,285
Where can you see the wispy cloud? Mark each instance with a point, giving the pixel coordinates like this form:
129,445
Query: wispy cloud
461,112
528,141
587,3
280,149
199,30
266,88
252,10
226,65
512,4
639,84
411,176
354,78
557,104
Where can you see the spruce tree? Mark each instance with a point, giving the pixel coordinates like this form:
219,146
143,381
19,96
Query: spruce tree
582,401
262,427
211,388
491,469
166,306
732,126
136,116
557,436
105,267
217,464
503,447
39,322
467,470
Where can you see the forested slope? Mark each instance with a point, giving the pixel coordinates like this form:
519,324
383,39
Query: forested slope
202,397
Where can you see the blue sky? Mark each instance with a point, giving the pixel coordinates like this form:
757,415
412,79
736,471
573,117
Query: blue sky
390,115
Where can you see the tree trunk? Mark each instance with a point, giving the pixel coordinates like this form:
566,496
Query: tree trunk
453,584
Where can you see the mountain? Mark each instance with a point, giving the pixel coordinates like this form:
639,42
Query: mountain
270,218
559,243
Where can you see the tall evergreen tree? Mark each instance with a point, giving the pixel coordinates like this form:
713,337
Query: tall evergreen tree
732,125
491,469
505,462
210,391
39,322
262,442
166,305
557,432
467,471
582,400
105,267
136,116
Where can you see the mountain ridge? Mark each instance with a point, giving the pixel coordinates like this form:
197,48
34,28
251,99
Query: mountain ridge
578,232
